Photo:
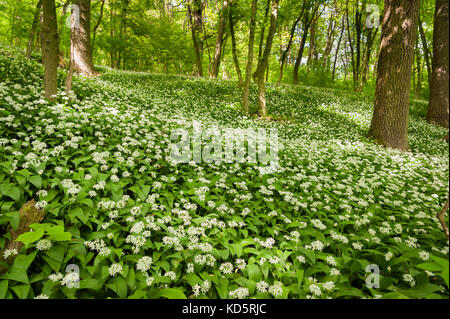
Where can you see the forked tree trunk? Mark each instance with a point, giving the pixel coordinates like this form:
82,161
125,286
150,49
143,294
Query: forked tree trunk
219,42
389,125
34,25
251,42
82,52
438,107
264,61
49,48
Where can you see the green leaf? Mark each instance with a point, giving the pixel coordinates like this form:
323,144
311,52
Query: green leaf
18,271
172,293
36,181
3,288
119,286
254,273
441,261
138,294
394,295
21,291
11,191
31,236
57,233
444,275
430,266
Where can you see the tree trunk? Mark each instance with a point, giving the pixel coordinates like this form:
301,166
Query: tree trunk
34,25
195,9
263,30
371,34
426,51
438,112
97,25
233,46
288,48
337,49
312,45
330,37
217,54
251,42
418,83
49,48
307,20
389,125
82,53
264,61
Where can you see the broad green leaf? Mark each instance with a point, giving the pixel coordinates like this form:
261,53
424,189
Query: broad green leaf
31,236
172,293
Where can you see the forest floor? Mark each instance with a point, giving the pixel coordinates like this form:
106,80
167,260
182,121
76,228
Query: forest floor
137,225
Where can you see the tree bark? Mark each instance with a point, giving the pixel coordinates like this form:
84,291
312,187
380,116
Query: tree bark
337,49
371,34
389,125
288,48
49,48
330,36
97,25
251,42
264,61
217,54
438,112
263,30
233,46
418,83
34,25
426,51
195,12
82,53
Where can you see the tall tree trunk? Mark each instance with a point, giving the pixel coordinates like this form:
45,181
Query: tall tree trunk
312,45
389,125
288,47
217,54
82,53
34,25
251,42
72,54
195,12
337,49
264,61
263,30
438,112
330,37
49,48
298,60
307,20
97,25
233,45
371,34
426,51
418,84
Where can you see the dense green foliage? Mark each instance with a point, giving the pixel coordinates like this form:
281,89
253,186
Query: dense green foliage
155,36
139,227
